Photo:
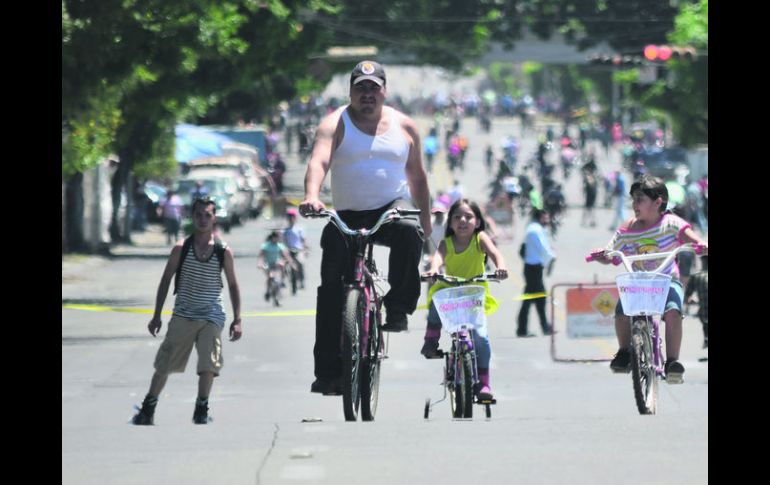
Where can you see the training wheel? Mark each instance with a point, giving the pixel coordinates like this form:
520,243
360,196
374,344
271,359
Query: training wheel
427,408
488,411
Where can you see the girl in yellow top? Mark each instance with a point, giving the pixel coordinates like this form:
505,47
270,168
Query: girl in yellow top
462,252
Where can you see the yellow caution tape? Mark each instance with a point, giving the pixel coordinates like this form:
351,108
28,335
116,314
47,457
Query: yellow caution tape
102,308
530,296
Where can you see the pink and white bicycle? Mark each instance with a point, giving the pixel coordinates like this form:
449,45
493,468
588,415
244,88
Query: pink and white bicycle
643,296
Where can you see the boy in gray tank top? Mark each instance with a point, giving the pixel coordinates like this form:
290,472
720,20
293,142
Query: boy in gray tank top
198,317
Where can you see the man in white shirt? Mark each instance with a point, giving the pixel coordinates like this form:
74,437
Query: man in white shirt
375,158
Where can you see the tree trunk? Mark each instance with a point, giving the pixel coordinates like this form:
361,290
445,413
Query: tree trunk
119,230
74,213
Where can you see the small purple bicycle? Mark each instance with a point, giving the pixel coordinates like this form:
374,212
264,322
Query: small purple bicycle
643,295
461,311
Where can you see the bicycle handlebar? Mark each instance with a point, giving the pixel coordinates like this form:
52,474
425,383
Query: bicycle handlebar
389,215
618,257
457,280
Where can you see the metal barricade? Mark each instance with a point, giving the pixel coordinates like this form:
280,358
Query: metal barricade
583,318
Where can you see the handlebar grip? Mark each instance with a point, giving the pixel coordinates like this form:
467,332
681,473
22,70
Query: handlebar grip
698,248
409,212
616,260
594,256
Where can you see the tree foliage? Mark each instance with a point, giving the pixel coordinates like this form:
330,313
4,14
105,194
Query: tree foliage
683,92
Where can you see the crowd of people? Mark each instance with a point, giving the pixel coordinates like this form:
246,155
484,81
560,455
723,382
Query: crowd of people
376,159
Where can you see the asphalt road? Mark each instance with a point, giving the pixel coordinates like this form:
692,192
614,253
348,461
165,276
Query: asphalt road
554,422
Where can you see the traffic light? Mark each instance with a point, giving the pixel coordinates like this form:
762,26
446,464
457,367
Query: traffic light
662,53
616,60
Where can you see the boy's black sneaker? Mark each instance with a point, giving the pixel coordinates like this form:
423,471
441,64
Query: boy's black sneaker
674,371
395,322
146,415
621,363
201,414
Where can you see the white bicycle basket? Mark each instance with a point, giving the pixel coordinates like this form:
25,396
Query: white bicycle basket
461,306
643,293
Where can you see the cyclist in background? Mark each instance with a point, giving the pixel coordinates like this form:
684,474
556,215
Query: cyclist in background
273,253
294,239
652,230
375,158
462,252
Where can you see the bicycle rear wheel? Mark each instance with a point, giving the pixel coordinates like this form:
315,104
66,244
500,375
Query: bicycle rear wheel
370,370
352,316
643,367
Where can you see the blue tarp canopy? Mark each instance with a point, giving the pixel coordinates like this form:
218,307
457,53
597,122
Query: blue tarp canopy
195,142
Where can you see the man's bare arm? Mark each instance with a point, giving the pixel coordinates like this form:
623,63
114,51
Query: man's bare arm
416,176
319,163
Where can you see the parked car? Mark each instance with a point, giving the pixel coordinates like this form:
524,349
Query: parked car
230,202
665,163
237,167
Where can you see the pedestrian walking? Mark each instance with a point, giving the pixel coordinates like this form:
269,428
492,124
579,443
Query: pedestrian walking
198,317
620,200
538,255
171,211
699,285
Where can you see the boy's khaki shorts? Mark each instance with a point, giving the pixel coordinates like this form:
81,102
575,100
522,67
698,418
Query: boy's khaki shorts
177,346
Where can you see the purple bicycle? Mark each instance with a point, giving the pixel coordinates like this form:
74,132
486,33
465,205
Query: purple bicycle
643,295
362,343
461,309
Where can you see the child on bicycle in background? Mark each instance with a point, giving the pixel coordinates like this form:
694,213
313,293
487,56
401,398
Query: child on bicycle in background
273,253
462,252
294,240
652,230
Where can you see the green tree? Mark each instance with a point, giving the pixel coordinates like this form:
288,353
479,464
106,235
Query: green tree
132,69
683,93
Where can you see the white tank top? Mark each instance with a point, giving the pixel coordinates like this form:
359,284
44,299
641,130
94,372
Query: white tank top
367,171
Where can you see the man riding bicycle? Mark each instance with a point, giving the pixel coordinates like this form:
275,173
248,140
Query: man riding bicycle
374,155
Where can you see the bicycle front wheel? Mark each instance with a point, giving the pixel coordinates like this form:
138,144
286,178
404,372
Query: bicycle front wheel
370,370
352,318
463,387
643,367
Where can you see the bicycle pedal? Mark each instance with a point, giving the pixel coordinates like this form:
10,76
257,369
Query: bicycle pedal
674,379
487,401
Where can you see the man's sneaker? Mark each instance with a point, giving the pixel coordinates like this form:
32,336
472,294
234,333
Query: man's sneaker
146,415
327,388
622,362
201,414
430,349
674,371
524,335
395,322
